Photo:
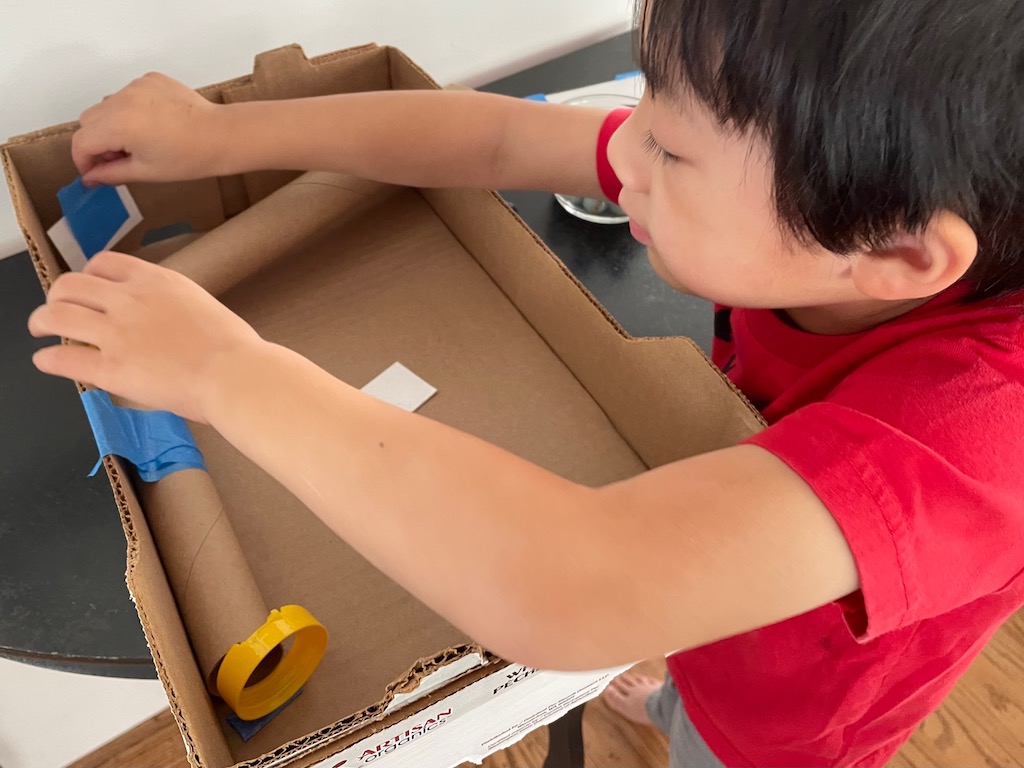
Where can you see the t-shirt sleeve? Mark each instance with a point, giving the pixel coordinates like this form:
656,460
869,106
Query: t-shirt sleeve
918,456
610,184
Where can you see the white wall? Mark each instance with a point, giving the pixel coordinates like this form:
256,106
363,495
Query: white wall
58,57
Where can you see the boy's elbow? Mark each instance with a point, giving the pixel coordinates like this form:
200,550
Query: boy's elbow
560,629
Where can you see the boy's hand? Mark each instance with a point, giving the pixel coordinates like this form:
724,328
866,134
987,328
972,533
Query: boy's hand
156,338
155,129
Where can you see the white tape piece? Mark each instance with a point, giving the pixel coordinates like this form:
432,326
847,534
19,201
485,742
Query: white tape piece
400,387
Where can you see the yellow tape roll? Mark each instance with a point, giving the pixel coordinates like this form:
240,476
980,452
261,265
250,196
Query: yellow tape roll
288,676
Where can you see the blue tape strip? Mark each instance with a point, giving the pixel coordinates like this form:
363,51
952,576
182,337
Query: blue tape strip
536,97
94,215
249,728
624,75
157,442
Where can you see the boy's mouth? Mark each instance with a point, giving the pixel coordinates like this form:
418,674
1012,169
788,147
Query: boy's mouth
639,233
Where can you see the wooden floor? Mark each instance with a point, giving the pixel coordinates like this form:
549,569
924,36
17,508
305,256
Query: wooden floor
981,724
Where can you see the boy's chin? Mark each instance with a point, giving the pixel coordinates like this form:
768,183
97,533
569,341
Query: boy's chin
667,277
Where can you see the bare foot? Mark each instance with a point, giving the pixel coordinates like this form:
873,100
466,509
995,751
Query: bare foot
627,694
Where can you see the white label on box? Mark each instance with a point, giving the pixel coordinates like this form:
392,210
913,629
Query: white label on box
476,721
401,387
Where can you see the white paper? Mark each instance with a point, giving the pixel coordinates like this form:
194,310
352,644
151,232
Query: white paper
400,387
67,246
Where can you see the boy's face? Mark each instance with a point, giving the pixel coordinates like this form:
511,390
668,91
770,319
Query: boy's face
707,214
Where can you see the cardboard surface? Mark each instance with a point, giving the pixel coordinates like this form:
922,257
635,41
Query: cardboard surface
453,285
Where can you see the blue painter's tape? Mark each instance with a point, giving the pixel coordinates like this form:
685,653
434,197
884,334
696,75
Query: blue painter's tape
536,97
624,75
94,215
157,442
249,728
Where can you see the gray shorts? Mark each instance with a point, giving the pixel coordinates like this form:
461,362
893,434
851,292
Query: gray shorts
686,748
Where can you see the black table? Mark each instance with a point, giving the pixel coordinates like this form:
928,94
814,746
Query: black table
63,599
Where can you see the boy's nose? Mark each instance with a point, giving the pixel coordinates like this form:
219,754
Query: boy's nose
627,158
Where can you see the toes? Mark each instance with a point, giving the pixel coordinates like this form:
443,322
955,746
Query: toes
612,693
627,679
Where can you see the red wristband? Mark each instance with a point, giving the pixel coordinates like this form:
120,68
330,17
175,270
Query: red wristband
610,184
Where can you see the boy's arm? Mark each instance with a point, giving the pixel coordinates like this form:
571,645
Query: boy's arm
542,571
561,575
156,129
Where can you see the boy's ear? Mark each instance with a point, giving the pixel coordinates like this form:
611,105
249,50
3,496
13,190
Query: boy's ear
917,265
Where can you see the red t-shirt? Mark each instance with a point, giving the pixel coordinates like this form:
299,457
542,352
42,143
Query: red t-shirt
912,434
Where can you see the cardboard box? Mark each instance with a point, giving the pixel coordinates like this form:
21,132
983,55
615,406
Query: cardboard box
452,284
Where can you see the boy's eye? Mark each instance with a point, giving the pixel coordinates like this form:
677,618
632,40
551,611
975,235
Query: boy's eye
651,147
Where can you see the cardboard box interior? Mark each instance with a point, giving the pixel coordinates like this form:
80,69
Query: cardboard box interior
453,285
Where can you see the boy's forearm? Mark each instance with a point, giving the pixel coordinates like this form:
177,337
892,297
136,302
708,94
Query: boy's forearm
449,517
418,138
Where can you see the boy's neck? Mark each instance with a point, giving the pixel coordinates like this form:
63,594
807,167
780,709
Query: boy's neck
849,317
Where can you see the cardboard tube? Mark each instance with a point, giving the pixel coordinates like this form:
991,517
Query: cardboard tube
274,226
209,574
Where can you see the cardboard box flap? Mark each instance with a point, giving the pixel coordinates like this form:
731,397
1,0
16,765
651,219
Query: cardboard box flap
663,395
406,74
286,73
43,259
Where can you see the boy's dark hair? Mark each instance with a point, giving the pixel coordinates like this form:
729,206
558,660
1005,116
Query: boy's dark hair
878,113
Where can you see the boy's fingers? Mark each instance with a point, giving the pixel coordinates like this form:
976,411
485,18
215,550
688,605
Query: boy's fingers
71,361
70,321
90,291
113,266
82,160
83,152
92,147
118,170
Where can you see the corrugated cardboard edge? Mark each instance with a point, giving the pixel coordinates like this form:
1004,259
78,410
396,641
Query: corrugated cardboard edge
334,738
32,240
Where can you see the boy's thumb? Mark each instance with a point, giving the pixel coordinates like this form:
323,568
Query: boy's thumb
112,172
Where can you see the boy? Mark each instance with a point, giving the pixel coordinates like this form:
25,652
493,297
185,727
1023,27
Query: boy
843,174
